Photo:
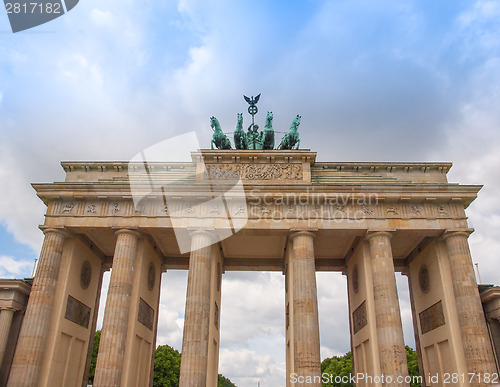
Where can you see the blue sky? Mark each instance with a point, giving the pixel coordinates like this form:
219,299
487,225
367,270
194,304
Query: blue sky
387,81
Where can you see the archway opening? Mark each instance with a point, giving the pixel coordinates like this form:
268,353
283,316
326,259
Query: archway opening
252,338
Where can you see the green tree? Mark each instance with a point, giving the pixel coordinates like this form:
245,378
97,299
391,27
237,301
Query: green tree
93,361
342,366
338,366
224,382
167,367
411,358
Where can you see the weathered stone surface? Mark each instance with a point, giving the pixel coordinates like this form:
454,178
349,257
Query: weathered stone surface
109,365
36,324
197,315
305,307
476,341
387,314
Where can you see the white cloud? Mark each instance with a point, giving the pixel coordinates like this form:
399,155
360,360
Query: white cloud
11,267
78,68
102,18
20,209
246,368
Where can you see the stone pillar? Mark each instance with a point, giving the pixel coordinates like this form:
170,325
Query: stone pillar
6,316
305,309
390,337
116,314
476,342
35,327
194,359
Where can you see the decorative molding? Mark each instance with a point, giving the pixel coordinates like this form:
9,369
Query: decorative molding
286,171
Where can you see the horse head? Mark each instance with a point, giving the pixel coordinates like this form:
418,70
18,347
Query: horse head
269,119
240,121
214,123
295,123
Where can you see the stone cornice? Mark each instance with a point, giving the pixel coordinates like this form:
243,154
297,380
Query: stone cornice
386,192
256,157
490,294
15,284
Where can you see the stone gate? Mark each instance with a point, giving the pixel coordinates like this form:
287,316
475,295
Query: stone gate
251,210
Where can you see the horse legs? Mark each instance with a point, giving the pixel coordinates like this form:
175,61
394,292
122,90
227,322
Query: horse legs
298,144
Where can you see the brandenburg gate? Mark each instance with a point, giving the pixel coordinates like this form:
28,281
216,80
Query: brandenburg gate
272,210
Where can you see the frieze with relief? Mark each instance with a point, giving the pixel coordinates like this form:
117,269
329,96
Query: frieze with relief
243,208
254,171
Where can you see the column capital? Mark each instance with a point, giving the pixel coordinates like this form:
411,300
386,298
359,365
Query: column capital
206,232
296,233
378,233
57,230
129,231
464,232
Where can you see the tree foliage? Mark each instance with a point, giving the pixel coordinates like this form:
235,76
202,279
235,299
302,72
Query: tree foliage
412,359
338,366
224,382
93,361
167,367
342,366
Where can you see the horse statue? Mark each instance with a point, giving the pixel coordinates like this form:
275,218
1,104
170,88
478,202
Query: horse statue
219,139
239,136
292,137
268,133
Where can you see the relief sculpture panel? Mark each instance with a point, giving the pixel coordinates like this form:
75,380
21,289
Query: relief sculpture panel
254,171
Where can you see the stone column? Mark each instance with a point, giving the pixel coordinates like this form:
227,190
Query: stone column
476,342
116,314
6,315
305,309
197,315
36,323
390,337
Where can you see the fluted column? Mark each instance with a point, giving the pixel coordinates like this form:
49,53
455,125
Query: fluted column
475,338
6,315
305,308
197,315
391,343
114,327
36,323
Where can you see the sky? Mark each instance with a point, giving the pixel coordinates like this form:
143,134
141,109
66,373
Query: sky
392,80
